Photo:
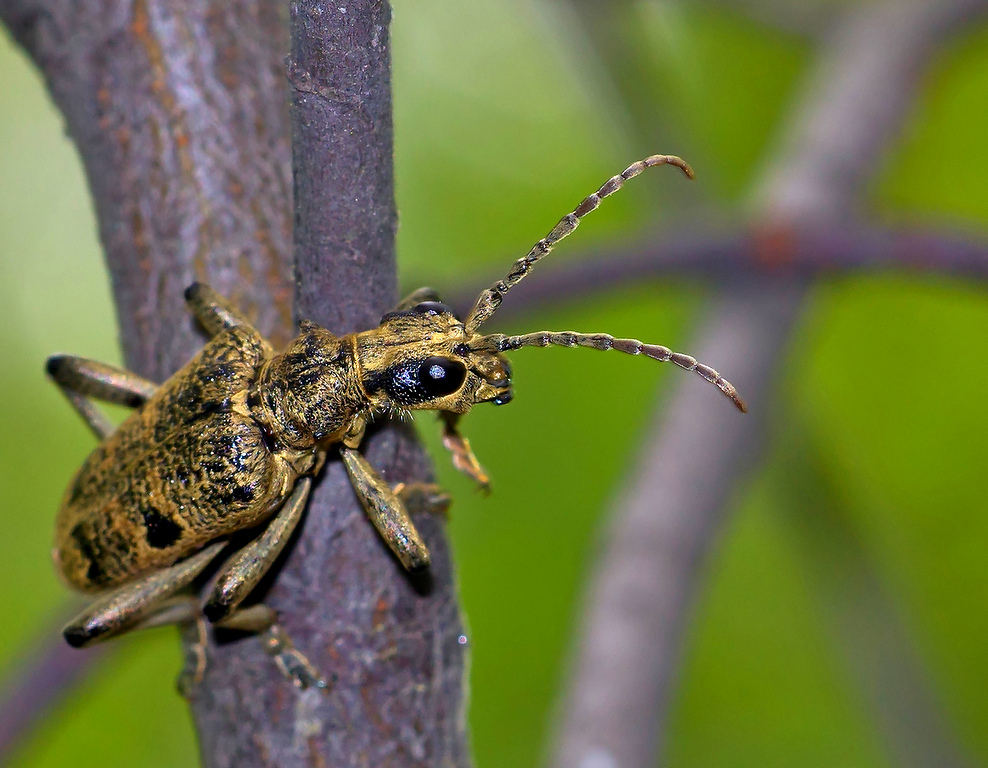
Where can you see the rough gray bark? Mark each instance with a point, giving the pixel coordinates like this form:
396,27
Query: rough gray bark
180,113
390,641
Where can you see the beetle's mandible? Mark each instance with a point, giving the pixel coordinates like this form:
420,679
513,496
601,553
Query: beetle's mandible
231,441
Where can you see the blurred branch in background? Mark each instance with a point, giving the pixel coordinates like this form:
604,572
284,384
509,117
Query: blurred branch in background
804,17
36,684
864,622
614,712
718,253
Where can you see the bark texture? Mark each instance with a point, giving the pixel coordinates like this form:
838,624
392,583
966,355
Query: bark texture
180,112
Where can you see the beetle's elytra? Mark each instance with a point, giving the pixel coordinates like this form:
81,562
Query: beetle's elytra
232,439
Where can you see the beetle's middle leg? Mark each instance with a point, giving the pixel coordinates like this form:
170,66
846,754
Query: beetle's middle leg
386,511
83,381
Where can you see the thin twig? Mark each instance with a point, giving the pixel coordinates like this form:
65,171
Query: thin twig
716,254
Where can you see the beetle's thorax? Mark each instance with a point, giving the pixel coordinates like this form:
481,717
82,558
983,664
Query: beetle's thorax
308,394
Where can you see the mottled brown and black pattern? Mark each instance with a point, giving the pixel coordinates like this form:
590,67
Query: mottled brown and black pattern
138,504
312,390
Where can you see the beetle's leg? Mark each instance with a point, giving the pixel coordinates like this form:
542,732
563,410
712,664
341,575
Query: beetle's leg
81,379
417,297
429,498
386,511
459,447
238,576
290,661
257,619
262,620
213,311
130,605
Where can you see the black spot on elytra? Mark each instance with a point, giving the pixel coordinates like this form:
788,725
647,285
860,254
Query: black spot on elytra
243,494
75,492
160,532
214,466
87,548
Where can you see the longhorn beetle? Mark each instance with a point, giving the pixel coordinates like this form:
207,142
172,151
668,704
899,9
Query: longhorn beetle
233,439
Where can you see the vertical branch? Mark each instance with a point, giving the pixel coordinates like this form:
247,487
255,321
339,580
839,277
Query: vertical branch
387,640
180,113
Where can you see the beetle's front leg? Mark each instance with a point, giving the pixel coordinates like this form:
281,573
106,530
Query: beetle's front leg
213,311
463,456
386,511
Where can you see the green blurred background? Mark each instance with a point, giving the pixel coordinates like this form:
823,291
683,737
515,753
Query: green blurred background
504,119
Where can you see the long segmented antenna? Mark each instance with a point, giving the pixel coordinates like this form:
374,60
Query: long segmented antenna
490,298
498,342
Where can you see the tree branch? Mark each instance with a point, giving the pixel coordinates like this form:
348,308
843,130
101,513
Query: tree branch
389,641
707,253
179,112
616,707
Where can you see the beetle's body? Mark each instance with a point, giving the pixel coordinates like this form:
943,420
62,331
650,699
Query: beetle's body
229,443
190,465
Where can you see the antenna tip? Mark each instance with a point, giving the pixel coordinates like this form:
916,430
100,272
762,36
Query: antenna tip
728,389
670,160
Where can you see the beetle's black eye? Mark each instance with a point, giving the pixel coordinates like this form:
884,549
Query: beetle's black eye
441,376
422,308
413,383
431,308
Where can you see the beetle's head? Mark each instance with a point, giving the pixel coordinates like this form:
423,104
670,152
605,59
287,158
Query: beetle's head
421,357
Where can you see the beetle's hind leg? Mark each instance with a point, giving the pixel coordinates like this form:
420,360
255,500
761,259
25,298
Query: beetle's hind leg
83,381
242,572
257,619
213,311
144,601
237,579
